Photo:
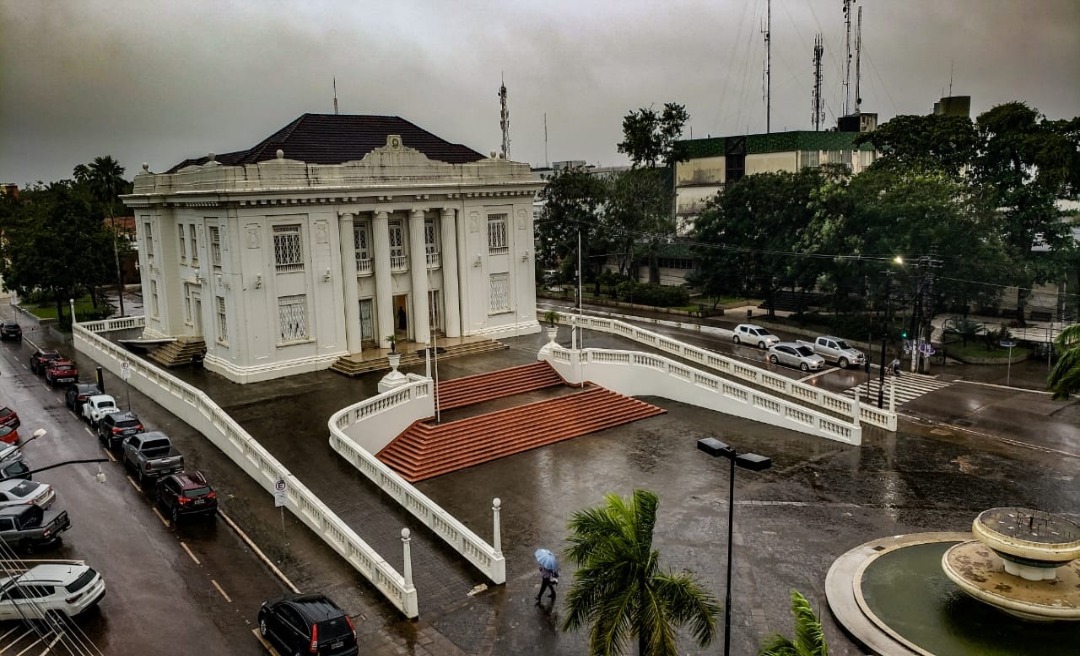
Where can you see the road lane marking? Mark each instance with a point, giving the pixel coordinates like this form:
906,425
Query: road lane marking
89,432
190,553
160,516
221,591
134,484
109,454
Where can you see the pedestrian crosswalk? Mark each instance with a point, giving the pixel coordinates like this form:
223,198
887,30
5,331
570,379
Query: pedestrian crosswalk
909,386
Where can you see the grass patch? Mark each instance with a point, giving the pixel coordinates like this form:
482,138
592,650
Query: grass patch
977,349
84,309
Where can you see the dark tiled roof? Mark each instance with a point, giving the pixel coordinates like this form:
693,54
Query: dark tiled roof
338,138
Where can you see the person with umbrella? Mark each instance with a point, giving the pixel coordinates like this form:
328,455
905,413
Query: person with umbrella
549,572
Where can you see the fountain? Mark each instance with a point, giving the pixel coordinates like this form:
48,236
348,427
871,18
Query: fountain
1022,561
945,593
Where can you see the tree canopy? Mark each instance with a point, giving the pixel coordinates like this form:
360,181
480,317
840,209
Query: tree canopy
651,137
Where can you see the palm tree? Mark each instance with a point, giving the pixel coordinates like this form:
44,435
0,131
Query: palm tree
106,179
1065,376
809,636
619,590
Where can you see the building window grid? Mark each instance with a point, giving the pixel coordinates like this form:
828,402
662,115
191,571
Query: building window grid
288,251
187,306
149,243
215,247
360,247
398,260
292,318
497,243
431,244
499,293
183,243
154,299
194,244
222,321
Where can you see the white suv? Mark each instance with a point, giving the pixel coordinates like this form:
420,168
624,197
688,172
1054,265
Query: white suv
754,335
54,590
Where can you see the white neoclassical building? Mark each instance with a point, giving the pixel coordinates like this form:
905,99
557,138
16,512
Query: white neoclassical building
330,236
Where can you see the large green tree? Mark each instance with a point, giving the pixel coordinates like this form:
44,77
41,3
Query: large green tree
105,179
651,137
809,636
905,142
638,220
573,206
1065,376
619,590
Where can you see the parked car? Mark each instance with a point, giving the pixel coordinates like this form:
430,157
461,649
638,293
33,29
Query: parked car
186,494
43,591
61,372
748,333
15,469
151,455
98,406
8,435
28,526
75,395
19,491
9,417
41,357
10,330
834,349
791,354
307,624
115,427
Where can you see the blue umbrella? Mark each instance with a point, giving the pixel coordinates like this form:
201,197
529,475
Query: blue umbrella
547,560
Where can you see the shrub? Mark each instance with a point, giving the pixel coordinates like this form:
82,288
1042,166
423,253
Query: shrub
652,294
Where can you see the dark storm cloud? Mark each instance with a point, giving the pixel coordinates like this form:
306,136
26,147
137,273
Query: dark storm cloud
161,81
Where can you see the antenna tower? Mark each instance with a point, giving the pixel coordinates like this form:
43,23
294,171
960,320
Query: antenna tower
858,60
546,161
335,94
767,31
847,56
504,121
818,116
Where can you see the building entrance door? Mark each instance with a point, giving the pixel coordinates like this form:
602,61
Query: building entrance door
401,316
434,312
367,320
196,311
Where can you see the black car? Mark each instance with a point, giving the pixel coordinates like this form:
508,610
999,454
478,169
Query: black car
10,330
76,395
116,427
307,624
41,359
186,494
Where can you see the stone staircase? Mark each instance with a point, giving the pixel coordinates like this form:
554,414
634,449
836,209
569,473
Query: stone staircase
178,353
469,390
358,364
426,449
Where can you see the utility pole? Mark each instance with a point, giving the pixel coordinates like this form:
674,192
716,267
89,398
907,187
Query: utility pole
335,95
858,60
768,68
818,115
884,338
847,57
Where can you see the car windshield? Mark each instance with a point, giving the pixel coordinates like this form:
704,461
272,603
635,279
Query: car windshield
24,489
106,404
127,423
196,492
335,629
84,580
804,350
763,332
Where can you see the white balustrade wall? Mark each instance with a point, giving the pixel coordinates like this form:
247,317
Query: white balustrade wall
847,407
644,374
199,411
377,420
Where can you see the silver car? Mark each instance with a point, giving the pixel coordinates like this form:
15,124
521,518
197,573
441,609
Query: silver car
754,335
796,355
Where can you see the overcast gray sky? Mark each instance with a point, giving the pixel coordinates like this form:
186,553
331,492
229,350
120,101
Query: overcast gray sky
158,81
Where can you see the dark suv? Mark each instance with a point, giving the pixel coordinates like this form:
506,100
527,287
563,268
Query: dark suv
307,624
10,330
186,494
75,395
41,359
116,427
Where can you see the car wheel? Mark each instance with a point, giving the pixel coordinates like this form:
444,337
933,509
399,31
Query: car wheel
761,345
804,367
262,627
773,359
175,516
735,338
843,363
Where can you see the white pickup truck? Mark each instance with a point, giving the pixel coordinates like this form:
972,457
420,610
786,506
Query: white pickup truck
836,350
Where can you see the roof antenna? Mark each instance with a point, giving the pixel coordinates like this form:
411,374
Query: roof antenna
335,95
504,121
951,65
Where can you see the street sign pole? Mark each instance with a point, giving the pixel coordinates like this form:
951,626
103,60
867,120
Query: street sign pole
125,373
1009,344
281,498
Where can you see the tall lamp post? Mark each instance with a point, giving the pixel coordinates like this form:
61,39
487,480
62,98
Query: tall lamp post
753,462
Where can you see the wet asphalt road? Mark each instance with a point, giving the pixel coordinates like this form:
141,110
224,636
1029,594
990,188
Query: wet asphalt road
819,500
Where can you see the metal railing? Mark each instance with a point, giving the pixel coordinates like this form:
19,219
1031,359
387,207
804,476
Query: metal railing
201,413
842,405
485,557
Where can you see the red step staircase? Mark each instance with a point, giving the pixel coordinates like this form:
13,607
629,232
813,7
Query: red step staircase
469,390
426,450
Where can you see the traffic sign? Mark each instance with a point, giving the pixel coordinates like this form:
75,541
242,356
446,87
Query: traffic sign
1008,343
281,493
125,370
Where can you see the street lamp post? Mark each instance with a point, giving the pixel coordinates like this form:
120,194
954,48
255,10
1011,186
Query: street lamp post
1009,344
753,462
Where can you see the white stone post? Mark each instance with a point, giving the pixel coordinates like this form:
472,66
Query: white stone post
407,573
71,304
857,408
496,538
892,395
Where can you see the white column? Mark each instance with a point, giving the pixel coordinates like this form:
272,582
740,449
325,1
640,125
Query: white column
384,294
348,273
418,267
450,292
